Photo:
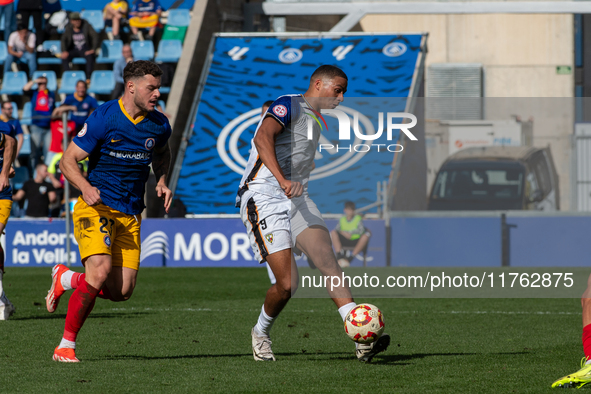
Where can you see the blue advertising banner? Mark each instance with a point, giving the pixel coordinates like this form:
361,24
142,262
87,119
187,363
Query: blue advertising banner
165,242
247,71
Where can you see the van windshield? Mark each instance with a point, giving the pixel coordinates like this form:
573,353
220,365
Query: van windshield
479,184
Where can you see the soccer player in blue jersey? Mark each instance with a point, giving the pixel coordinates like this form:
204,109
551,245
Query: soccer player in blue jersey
121,139
7,155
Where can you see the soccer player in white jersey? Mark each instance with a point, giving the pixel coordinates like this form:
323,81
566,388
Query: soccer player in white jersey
279,216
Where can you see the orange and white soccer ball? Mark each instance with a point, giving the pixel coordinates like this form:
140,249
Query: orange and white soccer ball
364,323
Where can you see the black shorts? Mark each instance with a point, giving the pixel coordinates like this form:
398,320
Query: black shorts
347,243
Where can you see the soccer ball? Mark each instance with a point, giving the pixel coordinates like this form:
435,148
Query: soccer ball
364,323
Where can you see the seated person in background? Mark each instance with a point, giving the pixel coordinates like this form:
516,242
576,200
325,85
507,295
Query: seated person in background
21,49
127,56
38,192
6,116
79,40
57,138
351,233
42,103
145,15
113,14
80,104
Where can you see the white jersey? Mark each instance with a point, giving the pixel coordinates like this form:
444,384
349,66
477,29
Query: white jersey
294,151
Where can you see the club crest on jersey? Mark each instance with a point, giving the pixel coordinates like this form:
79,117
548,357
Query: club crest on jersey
280,110
82,131
107,240
269,238
150,143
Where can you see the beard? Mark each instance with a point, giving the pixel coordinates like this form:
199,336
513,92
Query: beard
142,106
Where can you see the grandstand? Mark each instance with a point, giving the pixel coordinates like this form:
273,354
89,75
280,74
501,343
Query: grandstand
165,49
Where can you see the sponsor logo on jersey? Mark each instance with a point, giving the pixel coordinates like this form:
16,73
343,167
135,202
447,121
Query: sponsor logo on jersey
394,49
107,240
85,106
150,143
113,141
280,110
130,155
82,131
290,55
269,238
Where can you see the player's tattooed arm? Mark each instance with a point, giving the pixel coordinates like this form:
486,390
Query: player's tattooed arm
160,166
9,151
70,169
265,144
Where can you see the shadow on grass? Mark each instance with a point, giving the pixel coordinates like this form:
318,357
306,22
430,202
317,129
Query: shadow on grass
400,359
91,316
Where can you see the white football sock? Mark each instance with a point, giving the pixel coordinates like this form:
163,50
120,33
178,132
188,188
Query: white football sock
345,309
588,362
264,324
66,280
65,344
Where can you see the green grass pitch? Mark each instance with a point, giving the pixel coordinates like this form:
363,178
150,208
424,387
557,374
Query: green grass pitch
188,330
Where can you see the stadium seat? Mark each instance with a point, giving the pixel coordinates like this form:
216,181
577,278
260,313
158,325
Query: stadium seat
54,46
162,105
27,113
110,51
20,177
178,17
100,102
102,82
142,50
3,52
51,79
13,82
26,148
79,60
95,18
164,89
69,80
169,51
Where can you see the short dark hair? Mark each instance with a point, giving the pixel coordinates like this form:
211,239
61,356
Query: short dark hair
350,205
3,103
82,81
141,68
328,71
268,103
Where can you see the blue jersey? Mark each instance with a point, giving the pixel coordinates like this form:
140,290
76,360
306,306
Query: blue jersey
5,129
120,153
83,107
146,6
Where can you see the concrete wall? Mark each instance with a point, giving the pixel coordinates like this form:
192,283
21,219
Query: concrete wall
519,54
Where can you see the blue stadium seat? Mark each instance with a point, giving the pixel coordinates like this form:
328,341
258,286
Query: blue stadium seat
27,113
3,52
161,104
95,18
178,17
79,60
169,51
69,80
54,46
100,102
102,82
164,89
13,82
110,51
26,148
20,177
14,109
142,50
51,79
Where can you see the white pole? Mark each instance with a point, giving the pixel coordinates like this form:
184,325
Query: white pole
66,189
